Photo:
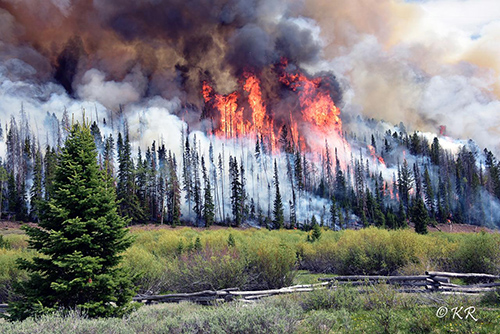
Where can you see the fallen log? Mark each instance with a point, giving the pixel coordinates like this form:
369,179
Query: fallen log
374,278
462,275
3,308
464,289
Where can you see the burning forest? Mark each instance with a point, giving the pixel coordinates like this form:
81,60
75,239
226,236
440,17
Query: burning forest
277,114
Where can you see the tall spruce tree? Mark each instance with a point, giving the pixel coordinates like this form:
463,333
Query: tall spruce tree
419,216
279,218
79,239
208,206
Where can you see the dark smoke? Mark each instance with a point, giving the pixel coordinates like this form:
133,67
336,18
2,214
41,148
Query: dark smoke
172,44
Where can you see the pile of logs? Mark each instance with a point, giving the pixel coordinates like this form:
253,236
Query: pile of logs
432,281
209,296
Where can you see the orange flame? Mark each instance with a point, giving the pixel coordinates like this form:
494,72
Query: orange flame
316,109
375,156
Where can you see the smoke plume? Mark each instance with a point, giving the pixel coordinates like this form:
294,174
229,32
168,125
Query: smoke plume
420,63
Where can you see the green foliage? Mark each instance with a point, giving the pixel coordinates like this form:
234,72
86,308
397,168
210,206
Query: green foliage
278,215
4,243
419,216
230,240
478,253
343,297
79,238
208,269
316,231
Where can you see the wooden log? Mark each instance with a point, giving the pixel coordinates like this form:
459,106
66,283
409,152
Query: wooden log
440,279
374,278
308,285
462,275
256,297
272,292
3,308
180,295
462,289
471,286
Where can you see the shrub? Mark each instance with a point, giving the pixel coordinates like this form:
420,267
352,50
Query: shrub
207,269
10,273
478,253
4,243
343,297
271,266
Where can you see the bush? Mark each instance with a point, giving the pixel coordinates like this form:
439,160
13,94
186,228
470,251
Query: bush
478,253
271,266
10,273
207,269
4,243
343,297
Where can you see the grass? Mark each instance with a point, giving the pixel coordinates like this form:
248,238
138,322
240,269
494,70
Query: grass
380,310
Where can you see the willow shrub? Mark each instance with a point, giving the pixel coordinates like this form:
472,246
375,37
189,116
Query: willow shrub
478,253
9,272
206,269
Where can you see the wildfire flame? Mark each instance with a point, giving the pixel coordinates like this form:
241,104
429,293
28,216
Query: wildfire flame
376,158
245,113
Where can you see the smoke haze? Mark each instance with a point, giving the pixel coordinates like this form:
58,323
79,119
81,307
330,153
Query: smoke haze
423,63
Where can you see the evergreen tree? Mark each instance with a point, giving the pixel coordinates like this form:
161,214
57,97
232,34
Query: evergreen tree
36,188
419,216
315,233
428,192
401,217
96,133
80,238
126,190
279,218
333,211
236,191
405,183
108,155
187,175
3,179
435,152
208,206
173,192
49,169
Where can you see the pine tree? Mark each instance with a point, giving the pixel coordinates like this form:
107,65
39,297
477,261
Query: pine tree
173,192
435,152
315,233
236,191
80,238
126,192
333,211
108,155
419,216
405,183
279,219
36,188
3,179
49,169
208,206
429,192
